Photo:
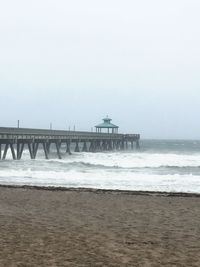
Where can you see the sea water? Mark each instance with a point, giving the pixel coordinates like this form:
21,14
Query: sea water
160,165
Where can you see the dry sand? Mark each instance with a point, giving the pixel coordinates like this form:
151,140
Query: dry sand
96,228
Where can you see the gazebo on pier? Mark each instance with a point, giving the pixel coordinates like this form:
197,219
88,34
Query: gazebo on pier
108,126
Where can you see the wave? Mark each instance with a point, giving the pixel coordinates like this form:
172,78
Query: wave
87,165
116,160
127,171
103,180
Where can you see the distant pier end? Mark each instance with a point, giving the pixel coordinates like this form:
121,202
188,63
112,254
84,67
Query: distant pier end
16,139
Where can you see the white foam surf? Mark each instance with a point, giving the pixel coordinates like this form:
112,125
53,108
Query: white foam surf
103,180
125,171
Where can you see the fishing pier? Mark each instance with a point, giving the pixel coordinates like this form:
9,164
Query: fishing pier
18,139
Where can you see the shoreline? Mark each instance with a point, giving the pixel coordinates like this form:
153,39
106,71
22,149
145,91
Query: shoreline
102,191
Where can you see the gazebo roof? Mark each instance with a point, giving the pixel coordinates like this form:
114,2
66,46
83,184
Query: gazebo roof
107,124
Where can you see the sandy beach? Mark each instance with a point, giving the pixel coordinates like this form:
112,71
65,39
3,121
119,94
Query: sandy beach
97,228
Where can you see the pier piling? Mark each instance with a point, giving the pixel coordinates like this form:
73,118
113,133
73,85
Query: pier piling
84,147
77,149
58,150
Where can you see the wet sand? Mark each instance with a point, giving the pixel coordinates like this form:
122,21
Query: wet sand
97,228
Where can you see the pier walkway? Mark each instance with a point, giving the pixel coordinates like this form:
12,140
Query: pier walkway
16,139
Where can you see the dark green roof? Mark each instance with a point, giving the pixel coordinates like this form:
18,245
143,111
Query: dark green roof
106,124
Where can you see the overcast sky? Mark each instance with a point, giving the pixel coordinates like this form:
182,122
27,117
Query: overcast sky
74,62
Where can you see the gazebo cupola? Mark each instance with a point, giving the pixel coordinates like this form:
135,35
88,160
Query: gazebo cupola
107,125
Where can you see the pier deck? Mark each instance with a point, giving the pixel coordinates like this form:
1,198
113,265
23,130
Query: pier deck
16,139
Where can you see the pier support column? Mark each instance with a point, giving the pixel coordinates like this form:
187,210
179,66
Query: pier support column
137,145
96,146
99,147
107,145
58,150
117,146
114,145
132,145
85,147
59,143
45,150
110,147
68,149
30,148
91,149
126,145
12,151
35,149
77,149
104,145
5,151
48,145
122,145
20,150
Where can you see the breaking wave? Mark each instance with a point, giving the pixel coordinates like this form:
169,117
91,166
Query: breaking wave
164,169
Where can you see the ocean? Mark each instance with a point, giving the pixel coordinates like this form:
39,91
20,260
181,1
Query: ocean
160,165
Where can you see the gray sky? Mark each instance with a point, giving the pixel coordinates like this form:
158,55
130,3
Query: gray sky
74,62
